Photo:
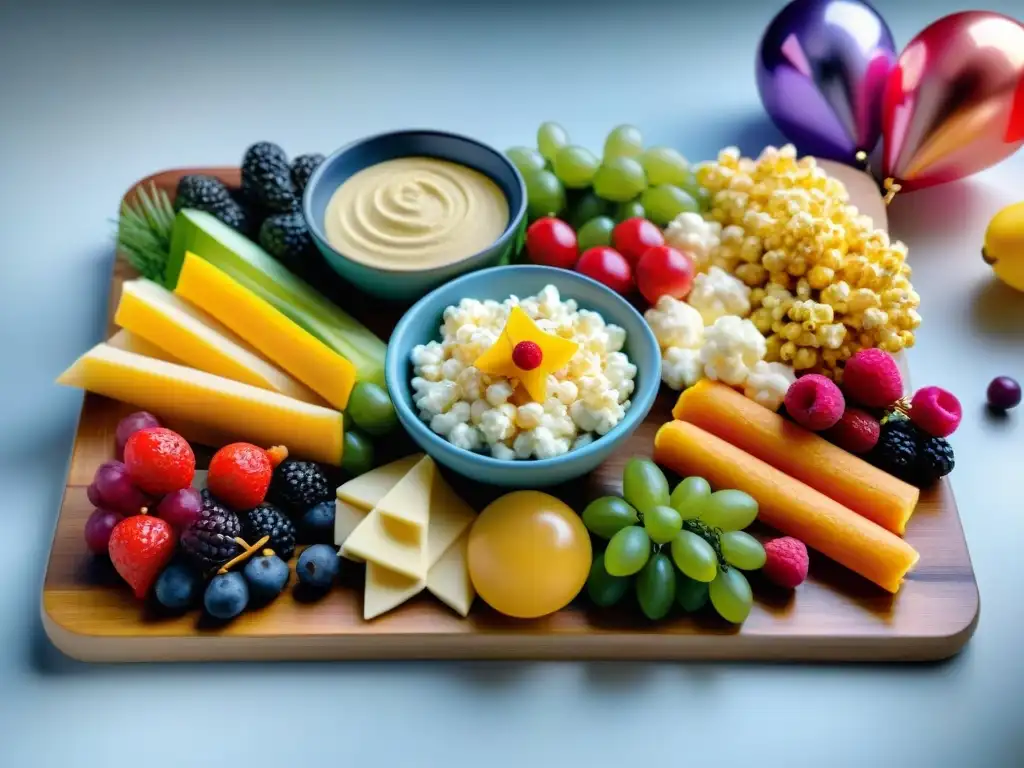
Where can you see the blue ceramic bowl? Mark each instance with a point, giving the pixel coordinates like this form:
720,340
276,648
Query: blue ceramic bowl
422,324
402,284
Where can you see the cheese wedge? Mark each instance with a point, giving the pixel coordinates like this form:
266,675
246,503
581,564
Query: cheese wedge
394,546
407,505
226,407
385,590
448,580
277,337
346,519
364,492
153,313
129,342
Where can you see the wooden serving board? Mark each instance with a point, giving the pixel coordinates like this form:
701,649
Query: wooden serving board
91,615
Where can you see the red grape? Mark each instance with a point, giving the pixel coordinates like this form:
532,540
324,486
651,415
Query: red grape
551,242
663,270
180,508
131,424
633,237
607,266
94,495
115,491
98,529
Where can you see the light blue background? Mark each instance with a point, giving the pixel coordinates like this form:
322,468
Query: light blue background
93,98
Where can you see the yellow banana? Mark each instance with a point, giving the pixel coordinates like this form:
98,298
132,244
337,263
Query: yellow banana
1004,245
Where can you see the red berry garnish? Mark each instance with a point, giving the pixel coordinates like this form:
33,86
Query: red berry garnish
936,411
527,355
240,474
786,562
815,402
159,460
871,377
857,431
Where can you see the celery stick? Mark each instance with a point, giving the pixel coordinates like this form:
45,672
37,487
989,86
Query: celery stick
207,237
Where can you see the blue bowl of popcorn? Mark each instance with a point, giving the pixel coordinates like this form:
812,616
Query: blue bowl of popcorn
526,430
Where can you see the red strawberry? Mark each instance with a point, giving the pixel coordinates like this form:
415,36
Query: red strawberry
140,546
240,473
159,461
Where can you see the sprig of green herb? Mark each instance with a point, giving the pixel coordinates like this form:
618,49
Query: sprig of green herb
144,232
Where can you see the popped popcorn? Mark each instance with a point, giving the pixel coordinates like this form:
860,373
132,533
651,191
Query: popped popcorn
681,368
767,383
716,293
691,233
675,323
732,346
478,412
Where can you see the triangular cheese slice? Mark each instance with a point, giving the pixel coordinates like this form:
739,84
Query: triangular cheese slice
346,518
449,581
386,590
364,492
449,517
379,540
407,505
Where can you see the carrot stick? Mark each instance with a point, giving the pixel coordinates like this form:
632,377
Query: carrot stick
848,479
788,505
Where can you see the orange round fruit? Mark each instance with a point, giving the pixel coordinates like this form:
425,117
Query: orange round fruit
529,554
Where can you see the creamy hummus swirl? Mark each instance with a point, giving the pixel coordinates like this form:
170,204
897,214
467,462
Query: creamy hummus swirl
415,213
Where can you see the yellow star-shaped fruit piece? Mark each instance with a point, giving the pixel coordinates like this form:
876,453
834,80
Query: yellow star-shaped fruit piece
521,344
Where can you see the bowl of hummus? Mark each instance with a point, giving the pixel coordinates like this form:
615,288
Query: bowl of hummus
399,214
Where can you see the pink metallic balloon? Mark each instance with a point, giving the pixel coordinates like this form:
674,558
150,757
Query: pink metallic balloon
954,103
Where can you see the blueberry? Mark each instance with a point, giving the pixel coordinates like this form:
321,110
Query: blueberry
177,587
226,595
267,576
318,523
318,566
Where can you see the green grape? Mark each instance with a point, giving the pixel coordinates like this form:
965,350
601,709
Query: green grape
664,202
656,587
545,195
664,165
662,524
551,137
691,595
694,556
575,166
357,453
628,551
608,515
729,510
704,200
597,231
644,485
370,409
623,141
690,185
731,596
688,496
742,550
619,179
584,206
525,159
604,589
631,209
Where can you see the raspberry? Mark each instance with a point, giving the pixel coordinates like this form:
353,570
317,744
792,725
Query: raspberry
815,402
935,411
857,431
787,561
159,461
240,474
872,378
527,355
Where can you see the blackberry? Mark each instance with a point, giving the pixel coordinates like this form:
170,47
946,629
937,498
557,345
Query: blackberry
934,460
897,449
286,237
268,520
298,485
205,193
209,541
267,178
302,168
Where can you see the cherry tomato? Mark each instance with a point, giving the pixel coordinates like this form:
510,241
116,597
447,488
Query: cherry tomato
607,266
633,237
552,242
664,270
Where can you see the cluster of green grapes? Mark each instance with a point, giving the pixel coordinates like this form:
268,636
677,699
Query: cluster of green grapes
704,535
627,181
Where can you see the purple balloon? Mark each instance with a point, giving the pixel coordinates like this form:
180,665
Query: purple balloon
821,72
